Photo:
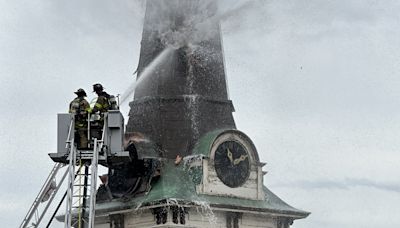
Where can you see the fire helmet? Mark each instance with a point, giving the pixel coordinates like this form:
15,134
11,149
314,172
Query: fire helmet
97,87
80,92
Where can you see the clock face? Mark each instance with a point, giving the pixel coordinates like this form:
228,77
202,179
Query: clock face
232,163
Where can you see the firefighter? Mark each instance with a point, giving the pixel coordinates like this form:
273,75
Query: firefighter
103,100
80,108
101,106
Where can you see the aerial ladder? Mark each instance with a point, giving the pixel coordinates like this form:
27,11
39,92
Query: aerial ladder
44,199
81,187
81,170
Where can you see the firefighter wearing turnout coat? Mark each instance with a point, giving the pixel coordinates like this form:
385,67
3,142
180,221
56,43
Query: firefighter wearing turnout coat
103,100
101,106
80,108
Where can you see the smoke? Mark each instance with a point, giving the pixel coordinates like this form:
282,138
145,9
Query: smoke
243,15
200,22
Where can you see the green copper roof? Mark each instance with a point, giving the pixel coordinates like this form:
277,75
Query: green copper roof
204,144
176,185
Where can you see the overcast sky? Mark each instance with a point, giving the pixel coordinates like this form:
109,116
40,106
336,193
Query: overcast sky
315,84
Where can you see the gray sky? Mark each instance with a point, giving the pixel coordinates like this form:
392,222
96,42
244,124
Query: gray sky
315,84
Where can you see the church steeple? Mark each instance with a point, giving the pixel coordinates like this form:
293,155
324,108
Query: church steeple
183,92
181,106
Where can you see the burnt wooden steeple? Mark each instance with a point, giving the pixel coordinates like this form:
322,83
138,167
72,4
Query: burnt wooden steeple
183,92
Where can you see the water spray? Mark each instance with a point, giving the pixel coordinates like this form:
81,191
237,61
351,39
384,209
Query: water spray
145,73
177,39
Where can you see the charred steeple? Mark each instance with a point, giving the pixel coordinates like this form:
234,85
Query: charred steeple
181,92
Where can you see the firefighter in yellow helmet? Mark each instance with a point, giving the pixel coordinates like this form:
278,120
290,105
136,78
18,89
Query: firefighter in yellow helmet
80,108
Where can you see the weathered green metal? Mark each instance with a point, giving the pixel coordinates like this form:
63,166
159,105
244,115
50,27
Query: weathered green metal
176,185
204,144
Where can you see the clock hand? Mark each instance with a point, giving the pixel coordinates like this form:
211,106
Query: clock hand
240,159
230,156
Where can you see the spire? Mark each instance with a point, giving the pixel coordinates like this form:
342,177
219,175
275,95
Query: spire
181,91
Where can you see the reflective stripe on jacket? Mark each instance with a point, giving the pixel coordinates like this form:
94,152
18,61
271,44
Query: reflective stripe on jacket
103,103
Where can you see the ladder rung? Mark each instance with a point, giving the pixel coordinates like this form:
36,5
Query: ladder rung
89,159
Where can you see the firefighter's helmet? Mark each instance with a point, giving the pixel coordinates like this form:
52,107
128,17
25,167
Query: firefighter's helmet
97,87
80,92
